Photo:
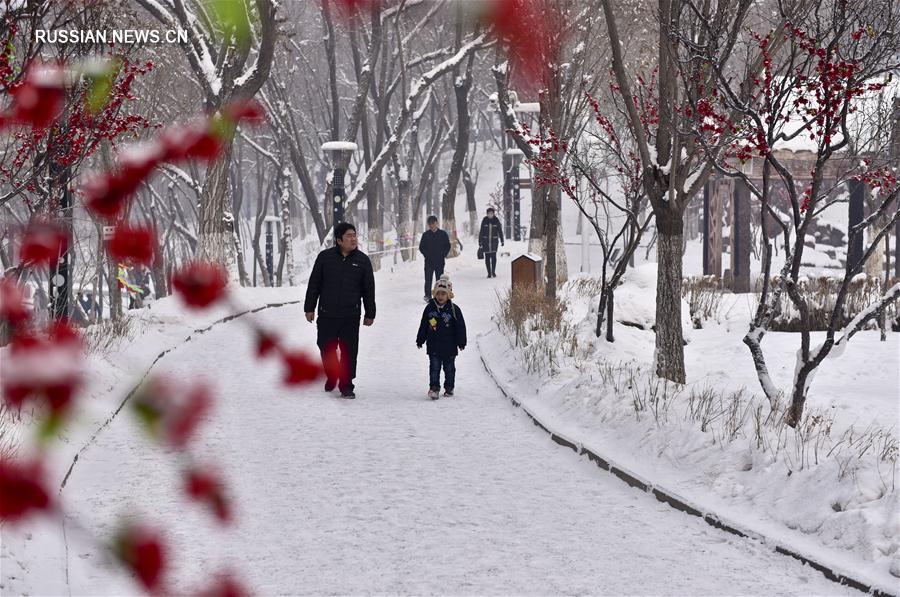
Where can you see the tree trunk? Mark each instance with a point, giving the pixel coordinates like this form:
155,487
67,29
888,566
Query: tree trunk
215,241
562,267
798,397
374,207
374,219
536,232
286,248
669,337
115,292
158,271
262,205
471,208
551,245
609,315
461,86
404,219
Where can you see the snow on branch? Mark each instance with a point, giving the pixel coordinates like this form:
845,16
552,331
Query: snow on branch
869,313
403,119
177,15
429,77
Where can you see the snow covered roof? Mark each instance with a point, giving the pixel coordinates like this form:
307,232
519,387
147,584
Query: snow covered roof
338,146
531,256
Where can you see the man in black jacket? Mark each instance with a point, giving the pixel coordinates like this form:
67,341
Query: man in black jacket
435,246
341,277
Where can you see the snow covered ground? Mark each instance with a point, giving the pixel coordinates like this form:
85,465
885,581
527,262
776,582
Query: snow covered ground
396,494
388,494
813,495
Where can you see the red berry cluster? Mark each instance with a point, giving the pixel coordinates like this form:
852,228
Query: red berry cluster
44,368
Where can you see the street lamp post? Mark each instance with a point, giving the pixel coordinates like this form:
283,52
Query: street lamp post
271,223
507,194
340,152
526,111
515,154
512,157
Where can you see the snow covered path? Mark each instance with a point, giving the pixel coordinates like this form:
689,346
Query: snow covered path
392,493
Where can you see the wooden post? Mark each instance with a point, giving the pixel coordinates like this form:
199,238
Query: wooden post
856,214
507,195
706,193
740,237
897,249
712,228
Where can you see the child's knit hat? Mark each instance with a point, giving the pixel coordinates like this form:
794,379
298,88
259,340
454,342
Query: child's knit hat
444,284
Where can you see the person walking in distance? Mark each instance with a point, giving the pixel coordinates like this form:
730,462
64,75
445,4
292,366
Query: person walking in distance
341,277
489,237
434,246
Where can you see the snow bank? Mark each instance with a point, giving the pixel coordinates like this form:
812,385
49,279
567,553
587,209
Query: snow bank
828,490
635,300
33,555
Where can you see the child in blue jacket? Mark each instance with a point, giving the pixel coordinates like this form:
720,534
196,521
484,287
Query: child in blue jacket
443,329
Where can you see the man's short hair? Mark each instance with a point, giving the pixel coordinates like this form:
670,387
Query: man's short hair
341,229
490,209
432,219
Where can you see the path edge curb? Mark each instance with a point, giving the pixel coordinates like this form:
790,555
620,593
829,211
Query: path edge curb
674,501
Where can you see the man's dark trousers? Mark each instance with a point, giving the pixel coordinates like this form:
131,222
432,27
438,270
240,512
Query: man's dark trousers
343,332
432,269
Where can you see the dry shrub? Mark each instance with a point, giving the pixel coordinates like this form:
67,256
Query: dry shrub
731,416
105,335
9,442
585,286
704,297
536,324
820,294
526,308
546,344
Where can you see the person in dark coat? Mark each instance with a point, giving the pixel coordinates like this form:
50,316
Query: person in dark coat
489,237
443,329
434,246
341,277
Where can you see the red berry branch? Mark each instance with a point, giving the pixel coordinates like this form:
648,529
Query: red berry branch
68,112
44,369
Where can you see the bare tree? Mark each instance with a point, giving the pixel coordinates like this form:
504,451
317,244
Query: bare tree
230,56
820,88
561,59
461,86
675,165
